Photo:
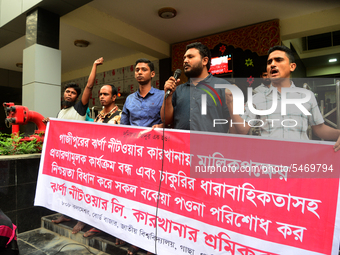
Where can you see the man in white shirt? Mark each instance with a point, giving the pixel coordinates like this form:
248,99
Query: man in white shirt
76,111
280,64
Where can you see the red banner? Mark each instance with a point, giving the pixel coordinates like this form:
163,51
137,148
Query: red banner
192,192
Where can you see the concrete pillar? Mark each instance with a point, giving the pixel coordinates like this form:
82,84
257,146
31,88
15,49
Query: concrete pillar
42,63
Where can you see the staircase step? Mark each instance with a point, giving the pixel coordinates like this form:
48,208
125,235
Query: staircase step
43,241
102,241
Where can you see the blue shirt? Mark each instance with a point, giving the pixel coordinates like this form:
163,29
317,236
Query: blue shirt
143,111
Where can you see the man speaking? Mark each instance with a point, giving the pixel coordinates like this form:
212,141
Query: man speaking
195,104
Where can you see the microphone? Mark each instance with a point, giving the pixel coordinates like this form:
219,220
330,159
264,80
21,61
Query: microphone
177,74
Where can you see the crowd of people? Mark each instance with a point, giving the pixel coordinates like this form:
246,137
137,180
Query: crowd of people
182,108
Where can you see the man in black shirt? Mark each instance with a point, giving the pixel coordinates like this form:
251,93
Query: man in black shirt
195,104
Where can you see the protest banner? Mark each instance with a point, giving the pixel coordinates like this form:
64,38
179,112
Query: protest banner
181,192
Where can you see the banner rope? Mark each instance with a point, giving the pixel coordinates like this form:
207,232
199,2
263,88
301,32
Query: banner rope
160,182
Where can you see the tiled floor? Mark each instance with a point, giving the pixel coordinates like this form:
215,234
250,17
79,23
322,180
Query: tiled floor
45,242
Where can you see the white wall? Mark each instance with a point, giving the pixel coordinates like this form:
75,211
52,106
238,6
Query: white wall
10,9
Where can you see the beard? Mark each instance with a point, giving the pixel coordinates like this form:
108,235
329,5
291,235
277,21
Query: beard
67,104
145,80
195,71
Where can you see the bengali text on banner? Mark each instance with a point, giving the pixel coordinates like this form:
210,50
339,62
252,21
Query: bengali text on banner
203,193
